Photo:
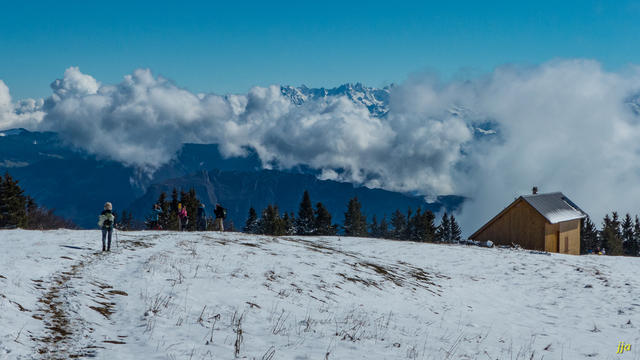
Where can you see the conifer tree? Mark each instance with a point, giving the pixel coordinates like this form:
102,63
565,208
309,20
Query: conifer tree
611,243
423,227
271,223
628,242
13,211
190,201
323,221
291,226
288,222
305,223
588,236
417,226
383,229
399,223
172,223
192,207
20,210
456,232
615,223
409,230
606,224
165,216
251,226
355,223
32,210
636,235
373,227
611,235
443,233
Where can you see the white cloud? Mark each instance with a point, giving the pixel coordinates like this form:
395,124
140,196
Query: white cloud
563,126
144,120
26,113
566,127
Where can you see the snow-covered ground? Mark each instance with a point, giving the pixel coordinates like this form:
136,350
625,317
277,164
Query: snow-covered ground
164,295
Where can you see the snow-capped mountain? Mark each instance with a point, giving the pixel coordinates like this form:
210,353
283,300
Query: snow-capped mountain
634,103
377,101
374,99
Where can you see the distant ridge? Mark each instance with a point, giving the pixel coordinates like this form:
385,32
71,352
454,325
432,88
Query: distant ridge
76,183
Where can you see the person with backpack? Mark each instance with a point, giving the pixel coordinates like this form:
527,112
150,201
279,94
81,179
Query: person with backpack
221,214
155,217
202,218
183,219
106,220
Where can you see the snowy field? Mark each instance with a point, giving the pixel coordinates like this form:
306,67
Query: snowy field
163,295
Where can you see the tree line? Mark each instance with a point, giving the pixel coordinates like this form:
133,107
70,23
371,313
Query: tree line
18,210
616,236
414,226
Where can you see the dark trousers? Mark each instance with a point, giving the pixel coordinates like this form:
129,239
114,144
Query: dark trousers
106,231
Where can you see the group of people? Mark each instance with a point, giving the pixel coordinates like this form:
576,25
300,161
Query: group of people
598,251
107,219
183,217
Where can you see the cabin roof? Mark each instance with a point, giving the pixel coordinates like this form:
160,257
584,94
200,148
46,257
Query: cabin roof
555,207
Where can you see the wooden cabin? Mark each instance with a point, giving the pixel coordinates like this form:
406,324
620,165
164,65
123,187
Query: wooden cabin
549,222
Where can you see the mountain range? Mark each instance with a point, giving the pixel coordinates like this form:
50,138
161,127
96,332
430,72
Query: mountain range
374,99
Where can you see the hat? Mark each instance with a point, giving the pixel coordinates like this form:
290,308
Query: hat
108,206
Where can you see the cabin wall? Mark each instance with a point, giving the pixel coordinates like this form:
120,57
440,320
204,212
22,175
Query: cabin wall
551,236
521,224
563,237
570,237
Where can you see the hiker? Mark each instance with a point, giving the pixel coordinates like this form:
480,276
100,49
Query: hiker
220,213
155,222
183,219
105,222
202,218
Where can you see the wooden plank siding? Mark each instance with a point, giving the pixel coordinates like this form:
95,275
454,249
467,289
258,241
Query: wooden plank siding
570,237
519,223
563,237
551,236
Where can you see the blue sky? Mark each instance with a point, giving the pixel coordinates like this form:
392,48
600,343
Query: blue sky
222,48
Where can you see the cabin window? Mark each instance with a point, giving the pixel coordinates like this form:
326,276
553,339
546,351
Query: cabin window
566,244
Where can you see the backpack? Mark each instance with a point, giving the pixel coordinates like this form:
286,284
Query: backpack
105,220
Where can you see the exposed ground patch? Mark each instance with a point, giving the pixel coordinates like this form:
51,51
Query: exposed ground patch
63,327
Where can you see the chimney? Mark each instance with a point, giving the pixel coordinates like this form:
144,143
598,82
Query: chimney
534,190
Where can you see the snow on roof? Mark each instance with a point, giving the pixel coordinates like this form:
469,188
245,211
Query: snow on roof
555,207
